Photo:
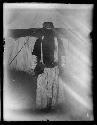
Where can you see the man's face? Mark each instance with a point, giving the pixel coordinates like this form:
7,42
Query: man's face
48,25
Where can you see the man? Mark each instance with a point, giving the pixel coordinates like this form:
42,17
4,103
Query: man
46,50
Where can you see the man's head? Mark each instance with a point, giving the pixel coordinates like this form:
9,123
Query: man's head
48,25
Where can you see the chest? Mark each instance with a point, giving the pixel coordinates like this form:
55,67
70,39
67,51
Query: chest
48,39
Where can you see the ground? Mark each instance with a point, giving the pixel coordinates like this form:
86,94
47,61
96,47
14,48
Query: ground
21,106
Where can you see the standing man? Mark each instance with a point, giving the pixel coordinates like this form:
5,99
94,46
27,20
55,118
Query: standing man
47,80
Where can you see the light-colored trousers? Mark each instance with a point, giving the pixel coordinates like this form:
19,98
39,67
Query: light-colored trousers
47,88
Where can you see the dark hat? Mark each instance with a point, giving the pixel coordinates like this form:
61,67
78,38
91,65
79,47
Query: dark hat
48,25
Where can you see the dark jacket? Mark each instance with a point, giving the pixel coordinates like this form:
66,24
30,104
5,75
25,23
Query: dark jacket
48,47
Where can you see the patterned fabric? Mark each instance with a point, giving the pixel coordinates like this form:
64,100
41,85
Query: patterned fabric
47,88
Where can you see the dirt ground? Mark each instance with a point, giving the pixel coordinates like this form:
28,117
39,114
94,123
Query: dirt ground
22,91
